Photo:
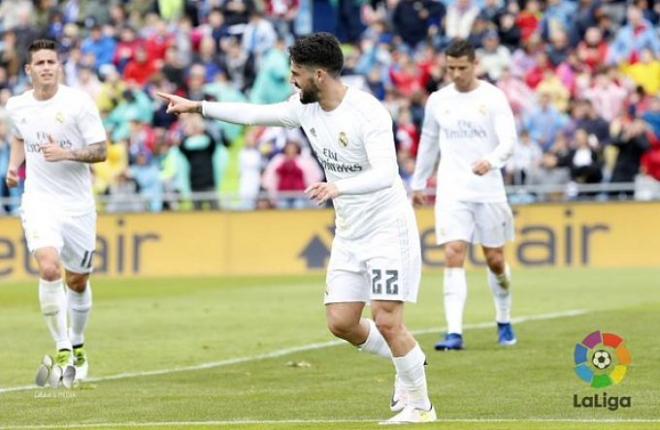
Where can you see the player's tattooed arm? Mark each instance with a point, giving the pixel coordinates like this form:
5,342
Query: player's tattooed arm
94,153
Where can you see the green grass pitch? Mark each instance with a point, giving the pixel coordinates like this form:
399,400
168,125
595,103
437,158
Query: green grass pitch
149,339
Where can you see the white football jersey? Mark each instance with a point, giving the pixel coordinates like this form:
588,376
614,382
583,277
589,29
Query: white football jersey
341,140
466,127
73,120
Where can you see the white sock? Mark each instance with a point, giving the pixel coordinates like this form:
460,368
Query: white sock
80,306
412,375
375,343
455,295
500,285
53,307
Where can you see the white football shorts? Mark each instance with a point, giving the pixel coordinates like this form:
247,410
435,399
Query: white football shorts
488,224
383,265
74,236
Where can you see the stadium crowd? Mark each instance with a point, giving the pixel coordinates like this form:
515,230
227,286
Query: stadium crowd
583,78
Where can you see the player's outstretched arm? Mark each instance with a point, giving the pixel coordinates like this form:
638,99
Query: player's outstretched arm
94,153
16,158
177,105
278,114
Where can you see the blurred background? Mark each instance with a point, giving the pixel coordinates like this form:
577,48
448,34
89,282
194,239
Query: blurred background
582,77
210,260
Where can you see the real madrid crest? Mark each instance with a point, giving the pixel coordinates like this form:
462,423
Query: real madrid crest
483,109
59,117
343,139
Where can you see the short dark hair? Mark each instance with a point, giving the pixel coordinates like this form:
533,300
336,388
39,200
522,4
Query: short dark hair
460,48
39,44
320,50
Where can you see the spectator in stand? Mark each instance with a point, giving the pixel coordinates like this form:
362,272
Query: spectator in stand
125,51
570,72
10,57
415,20
198,147
508,31
122,195
272,82
525,162
237,65
520,96
112,89
195,82
555,166
481,27
529,19
586,16
237,11
259,36
545,122
283,14
554,87
101,46
630,138
146,173
141,68
251,164
158,42
542,66
493,57
407,135
652,116
208,57
560,48
606,96
585,161
173,70
645,72
88,82
558,17
525,57
405,74
650,167
638,34
492,11
584,116
593,50
134,105
291,172
460,17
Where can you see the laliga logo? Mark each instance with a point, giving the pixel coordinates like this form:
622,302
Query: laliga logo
601,359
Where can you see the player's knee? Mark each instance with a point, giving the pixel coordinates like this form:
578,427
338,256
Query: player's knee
388,326
77,282
341,329
50,270
495,261
455,255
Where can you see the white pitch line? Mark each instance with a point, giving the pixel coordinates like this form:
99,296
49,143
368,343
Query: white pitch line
179,424
293,350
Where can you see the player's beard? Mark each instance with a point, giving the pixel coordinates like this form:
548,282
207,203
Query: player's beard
310,95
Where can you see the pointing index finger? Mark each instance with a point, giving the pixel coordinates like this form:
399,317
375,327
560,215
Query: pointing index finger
165,96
